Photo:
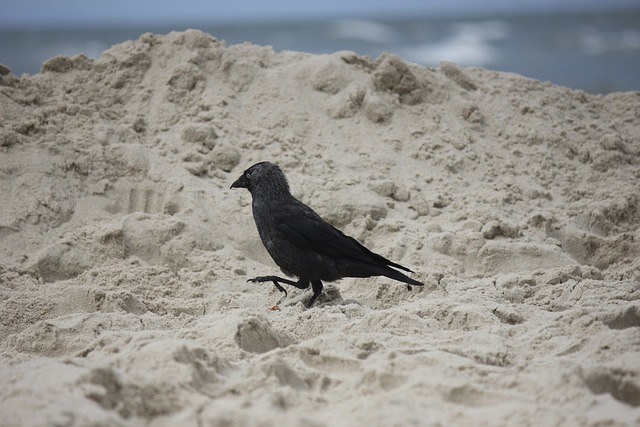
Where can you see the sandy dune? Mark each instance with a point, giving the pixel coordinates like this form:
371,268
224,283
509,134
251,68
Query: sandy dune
124,255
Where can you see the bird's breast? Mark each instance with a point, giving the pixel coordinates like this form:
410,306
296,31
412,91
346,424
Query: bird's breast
262,218
268,243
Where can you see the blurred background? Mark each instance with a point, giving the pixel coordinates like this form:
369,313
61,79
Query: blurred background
593,45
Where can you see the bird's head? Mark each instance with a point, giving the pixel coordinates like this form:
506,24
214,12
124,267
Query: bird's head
265,176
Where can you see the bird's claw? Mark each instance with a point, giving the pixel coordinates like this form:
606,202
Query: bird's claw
263,279
280,288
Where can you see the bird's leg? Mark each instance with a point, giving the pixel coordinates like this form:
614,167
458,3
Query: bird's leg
275,280
300,284
316,285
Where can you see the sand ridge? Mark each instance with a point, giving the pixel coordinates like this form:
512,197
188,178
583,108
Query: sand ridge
125,255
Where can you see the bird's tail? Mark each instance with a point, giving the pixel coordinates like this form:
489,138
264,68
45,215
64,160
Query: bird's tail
396,275
351,268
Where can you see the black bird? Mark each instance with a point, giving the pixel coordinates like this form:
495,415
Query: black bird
303,244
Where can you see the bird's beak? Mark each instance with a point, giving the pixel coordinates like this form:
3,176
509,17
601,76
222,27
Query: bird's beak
241,182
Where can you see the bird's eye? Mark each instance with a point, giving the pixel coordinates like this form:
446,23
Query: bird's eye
248,175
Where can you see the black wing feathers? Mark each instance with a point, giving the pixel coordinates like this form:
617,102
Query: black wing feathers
307,230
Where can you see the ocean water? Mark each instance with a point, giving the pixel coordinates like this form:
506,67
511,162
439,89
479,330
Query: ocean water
597,53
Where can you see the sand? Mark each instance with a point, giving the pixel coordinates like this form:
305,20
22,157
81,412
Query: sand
124,255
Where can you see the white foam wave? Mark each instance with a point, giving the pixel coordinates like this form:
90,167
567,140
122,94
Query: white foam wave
362,30
468,44
593,42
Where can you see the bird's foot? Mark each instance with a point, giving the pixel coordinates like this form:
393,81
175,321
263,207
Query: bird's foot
261,279
300,284
273,279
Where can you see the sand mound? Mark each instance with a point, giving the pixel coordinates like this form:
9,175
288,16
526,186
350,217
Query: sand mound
124,254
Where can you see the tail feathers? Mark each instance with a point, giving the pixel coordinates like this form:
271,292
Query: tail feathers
351,268
396,275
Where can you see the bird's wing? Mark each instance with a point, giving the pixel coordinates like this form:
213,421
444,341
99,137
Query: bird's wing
307,230
302,226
